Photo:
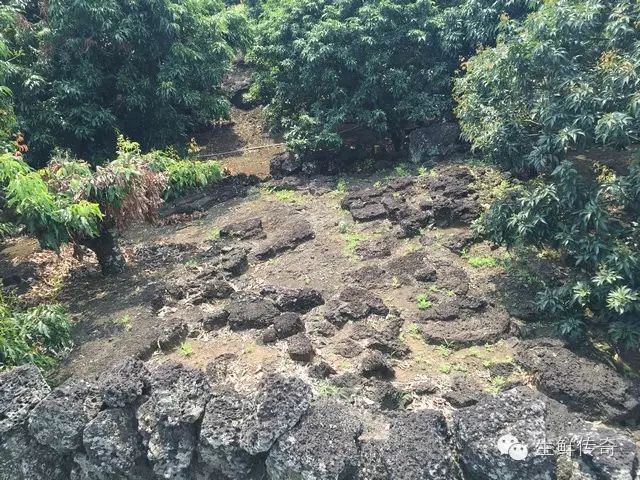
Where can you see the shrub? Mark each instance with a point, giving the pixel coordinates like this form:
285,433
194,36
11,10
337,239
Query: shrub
328,66
69,202
185,175
563,81
151,70
36,335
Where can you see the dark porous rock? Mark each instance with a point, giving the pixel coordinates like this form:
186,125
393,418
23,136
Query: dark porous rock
215,319
474,329
212,289
223,258
321,370
369,276
289,237
459,243
389,346
244,229
452,278
219,447
111,442
453,199
23,458
203,287
268,335
247,310
418,448
365,205
411,221
372,464
299,300
369,212
595,451
167,421
511,417
319,326
354,303
464,392
590,387
376,248
383,394
360,198
123,384
21,389
300,348
436,140
347,348
405,267
322,446
280,403
288,324
229,187
283,165
58,421
426,274
374,364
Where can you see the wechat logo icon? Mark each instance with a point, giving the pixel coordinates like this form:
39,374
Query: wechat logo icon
509,445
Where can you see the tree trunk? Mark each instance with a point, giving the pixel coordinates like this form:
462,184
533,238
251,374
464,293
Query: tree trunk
107,251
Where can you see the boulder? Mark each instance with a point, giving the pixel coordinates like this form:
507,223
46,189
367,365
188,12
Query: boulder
374,364
354,303
21,389
383,394
321,370
111,442
418,447
347,348
322,446
453,198
475,329
215,319
300,348
288,324
376,248
279,404
167,421
497,438
124,384
289,237
590,387
251,228
219,447
58,421
299,300
23,458
247,310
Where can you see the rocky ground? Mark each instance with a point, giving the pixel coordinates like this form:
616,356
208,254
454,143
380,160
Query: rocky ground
324,328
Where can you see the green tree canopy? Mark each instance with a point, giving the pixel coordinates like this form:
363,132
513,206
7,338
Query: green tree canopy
323,64
150,69
561,82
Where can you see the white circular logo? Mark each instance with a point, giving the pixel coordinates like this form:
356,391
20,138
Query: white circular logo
518,451
505,442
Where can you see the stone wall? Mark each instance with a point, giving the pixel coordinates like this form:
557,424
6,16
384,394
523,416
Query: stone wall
174,422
